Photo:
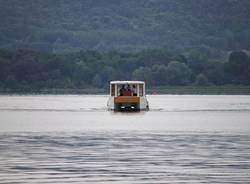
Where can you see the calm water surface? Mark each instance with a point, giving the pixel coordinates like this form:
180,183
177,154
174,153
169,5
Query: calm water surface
73,139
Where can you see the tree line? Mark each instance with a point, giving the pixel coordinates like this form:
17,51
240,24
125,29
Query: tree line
33,70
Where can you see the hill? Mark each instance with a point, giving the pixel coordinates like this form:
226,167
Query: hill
212,27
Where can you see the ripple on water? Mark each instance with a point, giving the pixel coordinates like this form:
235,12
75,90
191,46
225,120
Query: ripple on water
124,157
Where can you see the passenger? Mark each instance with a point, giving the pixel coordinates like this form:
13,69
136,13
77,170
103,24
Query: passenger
122,90
129,90
134,90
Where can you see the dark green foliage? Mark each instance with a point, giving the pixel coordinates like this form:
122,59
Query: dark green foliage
215,73
87,43
212,27
178,73
31,70
201,80
144,74
97,81
238,67
159,74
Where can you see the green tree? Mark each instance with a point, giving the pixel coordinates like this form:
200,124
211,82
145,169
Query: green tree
197,62
238,68
215,73
159,75
144,74
82,75
201,80
11,82
178,73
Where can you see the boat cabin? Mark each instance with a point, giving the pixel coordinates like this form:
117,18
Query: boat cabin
127,96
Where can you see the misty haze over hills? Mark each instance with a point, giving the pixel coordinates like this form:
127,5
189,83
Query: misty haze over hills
213,27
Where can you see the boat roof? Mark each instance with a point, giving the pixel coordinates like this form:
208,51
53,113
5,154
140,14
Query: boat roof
127,82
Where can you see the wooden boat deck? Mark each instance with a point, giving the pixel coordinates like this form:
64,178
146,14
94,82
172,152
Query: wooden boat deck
127,99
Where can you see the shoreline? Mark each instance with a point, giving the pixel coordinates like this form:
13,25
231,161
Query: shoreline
177,90
202,90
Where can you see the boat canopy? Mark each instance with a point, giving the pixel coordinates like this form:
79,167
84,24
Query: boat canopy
127,82
118,87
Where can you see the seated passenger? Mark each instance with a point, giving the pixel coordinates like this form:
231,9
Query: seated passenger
122,90
128,88
127,91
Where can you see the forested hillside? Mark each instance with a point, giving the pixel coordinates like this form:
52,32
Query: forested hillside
30,70
211,27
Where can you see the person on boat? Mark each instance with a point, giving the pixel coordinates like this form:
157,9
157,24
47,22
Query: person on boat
122,90
134,90
129,91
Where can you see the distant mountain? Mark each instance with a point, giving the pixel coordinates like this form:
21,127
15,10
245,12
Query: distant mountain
213,27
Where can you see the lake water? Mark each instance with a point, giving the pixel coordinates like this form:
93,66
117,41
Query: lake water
74,139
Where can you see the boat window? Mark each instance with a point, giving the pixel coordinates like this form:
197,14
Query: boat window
112,90
134,90
124,90
141,89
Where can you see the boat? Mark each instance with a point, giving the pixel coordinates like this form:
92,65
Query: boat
127,96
